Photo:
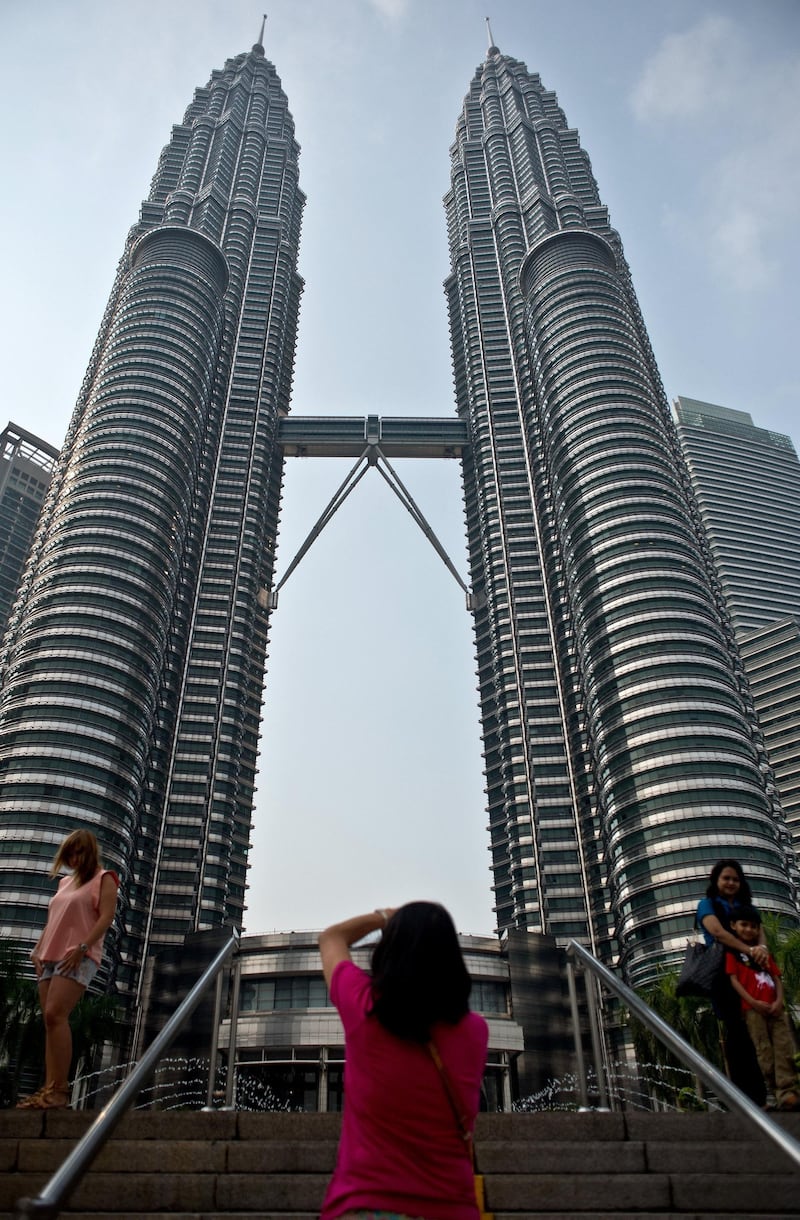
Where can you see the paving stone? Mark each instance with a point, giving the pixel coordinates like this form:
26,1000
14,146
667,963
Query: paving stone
278,1192
15,1123
278,1125
126,1156
741,1193
577,1192
9,1155
145,1192
555,1125
727,1156
692,1127
299,1156
178,1125
548,1156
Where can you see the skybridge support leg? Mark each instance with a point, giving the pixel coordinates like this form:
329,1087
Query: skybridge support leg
373,456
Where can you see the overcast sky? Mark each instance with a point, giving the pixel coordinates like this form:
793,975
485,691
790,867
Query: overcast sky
371,788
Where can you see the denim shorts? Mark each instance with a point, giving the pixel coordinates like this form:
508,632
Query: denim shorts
83,975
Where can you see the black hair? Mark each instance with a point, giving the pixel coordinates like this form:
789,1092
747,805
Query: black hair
749,913
418,973
744,896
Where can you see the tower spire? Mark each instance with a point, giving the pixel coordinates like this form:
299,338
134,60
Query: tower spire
492,46
259,43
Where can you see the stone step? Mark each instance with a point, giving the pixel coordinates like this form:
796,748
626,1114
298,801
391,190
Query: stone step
187,1156
235,1165
145,1192
303,1156
490,1128
669,1194
538,1215
560,1194
173,1125
630,1156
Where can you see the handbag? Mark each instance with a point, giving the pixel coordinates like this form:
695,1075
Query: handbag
463,1127
701,966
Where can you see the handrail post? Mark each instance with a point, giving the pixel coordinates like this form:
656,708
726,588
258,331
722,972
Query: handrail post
233,1026
592,1001
213,1050
583,1092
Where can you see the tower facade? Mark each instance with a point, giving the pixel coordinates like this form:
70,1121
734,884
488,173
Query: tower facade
132,671
26,464
622,757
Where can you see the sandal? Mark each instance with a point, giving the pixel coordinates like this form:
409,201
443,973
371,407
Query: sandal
32,1101
50,1098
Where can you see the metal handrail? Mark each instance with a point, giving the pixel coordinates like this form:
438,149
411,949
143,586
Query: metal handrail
49,1201
734,1098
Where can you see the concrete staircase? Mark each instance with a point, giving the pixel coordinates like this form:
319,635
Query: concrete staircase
188,1165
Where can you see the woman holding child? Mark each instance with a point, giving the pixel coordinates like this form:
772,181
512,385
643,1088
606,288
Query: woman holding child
761,993
728,892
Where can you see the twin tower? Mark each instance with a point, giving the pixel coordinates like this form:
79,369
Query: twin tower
622,754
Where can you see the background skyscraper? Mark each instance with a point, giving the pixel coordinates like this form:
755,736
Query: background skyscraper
747,483
26,464
621,759
771,657
133,669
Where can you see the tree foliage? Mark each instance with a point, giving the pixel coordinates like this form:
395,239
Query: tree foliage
693,1019
21,1029
783,938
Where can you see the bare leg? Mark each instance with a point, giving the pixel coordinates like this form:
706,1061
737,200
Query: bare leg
58,998
33,1098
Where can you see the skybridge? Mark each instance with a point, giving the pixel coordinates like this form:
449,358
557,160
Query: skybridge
372,440
348,436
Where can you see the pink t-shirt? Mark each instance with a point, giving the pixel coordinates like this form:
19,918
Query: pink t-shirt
71,915
400,1148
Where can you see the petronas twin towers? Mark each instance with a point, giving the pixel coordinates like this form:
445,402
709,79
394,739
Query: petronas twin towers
622,753
133,668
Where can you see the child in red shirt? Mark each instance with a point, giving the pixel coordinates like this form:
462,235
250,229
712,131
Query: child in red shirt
764,1013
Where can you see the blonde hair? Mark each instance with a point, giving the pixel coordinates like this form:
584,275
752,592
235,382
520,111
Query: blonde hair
81,847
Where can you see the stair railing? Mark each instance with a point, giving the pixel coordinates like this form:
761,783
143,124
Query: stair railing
733,1097
50,1200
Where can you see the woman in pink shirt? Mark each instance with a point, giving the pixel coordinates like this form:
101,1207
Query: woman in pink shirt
405,1146
68,954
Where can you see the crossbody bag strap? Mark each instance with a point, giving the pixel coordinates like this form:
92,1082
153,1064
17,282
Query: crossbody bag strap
456,1105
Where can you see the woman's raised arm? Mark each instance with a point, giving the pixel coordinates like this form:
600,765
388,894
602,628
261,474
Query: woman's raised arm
335,941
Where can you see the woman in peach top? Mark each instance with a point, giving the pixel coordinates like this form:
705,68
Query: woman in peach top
68,955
